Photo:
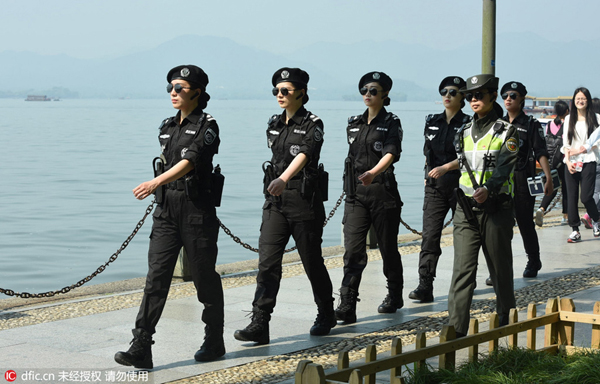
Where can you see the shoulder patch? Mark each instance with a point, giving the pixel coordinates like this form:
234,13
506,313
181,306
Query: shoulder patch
209,136
318,135
512,145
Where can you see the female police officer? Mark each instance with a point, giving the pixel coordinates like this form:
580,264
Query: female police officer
532,147
293,206
185,217
440,181
487,151
372,196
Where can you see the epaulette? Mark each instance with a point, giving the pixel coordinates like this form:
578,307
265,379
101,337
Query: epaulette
390,115
165,122
352,119
467,119
272,119
209,117
314,118
429,117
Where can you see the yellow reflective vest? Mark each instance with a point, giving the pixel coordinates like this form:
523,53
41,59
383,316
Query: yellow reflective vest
490,146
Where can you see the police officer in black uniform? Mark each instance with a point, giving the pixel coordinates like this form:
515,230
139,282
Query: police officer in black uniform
185,216
372,196
293,207
532,147
440,181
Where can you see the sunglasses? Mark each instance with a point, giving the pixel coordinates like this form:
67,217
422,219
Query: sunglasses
475,95
284,91
372,91
452,92
177,87
512,95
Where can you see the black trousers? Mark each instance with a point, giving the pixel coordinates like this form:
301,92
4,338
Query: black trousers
587,179
380,206
180,222
303,220
546,200
524,204
439,199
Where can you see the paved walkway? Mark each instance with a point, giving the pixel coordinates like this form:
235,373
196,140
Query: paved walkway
84,345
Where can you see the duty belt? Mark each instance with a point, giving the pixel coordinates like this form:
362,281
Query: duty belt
178,184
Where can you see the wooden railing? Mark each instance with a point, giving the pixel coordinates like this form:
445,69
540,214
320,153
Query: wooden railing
559,322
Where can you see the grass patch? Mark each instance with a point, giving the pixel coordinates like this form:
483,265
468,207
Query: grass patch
518,366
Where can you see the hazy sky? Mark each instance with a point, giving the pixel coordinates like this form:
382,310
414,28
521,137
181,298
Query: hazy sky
109,28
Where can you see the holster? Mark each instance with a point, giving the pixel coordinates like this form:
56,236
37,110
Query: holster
270,172
466,205
217,181
323,181
349,178
158,166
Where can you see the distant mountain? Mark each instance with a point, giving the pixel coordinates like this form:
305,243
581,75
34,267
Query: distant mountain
241,72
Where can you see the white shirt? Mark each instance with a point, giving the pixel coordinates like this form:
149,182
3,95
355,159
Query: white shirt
581,139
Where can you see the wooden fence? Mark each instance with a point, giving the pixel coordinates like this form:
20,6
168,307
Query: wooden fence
559,322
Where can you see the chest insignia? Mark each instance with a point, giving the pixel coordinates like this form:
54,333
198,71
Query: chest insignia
274,132
350,139
430,137
382,129
354,129
294,150
162,148
190,132
165,136
300,132
434,128
521,129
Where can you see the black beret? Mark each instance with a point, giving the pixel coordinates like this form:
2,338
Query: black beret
293,75
455,81
479,82
378,77
514,86
190,73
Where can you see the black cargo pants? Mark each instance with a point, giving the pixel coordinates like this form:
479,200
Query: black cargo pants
193,225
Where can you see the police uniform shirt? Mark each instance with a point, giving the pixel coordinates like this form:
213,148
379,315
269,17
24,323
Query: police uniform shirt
370,142
439,137
531,138
504,163
196,139
303,133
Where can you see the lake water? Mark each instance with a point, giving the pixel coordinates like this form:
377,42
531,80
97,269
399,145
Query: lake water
69,167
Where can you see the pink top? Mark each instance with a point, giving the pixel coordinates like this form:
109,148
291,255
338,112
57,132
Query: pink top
554,128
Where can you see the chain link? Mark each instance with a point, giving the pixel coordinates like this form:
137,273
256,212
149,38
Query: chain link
251,248
100,269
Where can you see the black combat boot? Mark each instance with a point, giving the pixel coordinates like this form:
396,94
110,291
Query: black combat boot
325,321
532,267
346,310
257,330
424,292
213,346
391,303
140,353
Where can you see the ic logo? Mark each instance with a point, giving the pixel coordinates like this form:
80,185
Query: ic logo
10,375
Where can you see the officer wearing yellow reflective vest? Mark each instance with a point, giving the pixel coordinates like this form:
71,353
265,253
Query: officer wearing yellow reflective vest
487,151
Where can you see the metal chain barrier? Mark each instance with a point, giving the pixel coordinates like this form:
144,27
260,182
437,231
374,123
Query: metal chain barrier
421,233
251,248
27,295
